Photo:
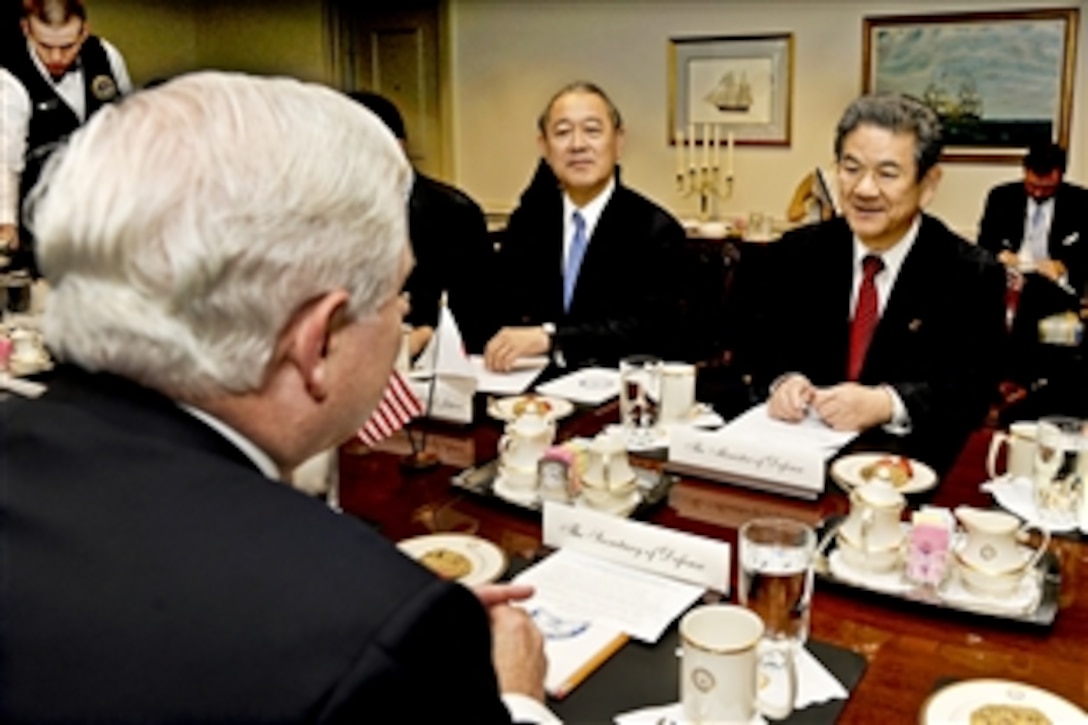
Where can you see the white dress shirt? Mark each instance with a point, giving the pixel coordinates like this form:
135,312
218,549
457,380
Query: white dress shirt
884,280
1034,248
15,114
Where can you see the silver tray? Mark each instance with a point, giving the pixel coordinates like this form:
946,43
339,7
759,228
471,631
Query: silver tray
653,486
1047,569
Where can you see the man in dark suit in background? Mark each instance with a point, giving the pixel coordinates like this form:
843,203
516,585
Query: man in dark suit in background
225,304
883,320
589,270
450,241
1038,229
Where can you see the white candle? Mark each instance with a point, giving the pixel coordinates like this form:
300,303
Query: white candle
717,147
706,145
729,155
691,146
680,153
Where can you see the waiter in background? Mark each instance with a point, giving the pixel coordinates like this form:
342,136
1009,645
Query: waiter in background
51,86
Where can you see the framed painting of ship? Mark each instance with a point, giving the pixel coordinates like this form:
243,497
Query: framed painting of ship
740,84
999,81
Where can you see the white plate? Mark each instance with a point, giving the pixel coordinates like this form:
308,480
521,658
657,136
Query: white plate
954,704
503,408
487,560
846,472
588,386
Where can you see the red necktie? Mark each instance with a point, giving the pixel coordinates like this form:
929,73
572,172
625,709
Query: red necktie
865,315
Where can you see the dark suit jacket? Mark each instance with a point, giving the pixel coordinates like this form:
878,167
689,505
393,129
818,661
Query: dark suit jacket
627,296
1002,226
151,574
937,343
453,253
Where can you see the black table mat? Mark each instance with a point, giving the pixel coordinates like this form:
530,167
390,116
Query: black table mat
642,675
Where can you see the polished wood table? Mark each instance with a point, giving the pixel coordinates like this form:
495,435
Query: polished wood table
911,649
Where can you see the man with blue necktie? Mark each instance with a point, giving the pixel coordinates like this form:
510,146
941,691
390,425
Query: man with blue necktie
1037,229
589,270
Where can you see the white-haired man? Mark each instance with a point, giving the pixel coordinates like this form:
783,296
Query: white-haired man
225,304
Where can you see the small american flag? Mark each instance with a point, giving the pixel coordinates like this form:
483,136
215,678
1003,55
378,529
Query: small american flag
398,406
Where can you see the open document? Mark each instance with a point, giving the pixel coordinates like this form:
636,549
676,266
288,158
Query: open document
758,451
609,580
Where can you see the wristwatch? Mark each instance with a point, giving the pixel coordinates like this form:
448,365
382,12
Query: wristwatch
556,353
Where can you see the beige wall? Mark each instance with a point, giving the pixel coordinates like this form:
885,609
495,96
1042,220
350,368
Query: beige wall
508,57
167,37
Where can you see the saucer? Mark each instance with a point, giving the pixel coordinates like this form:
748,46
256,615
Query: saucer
486,562
20,366
520,496
846,472
621,507
957,702
508,408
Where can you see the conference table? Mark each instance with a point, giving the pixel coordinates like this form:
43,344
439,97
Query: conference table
910,649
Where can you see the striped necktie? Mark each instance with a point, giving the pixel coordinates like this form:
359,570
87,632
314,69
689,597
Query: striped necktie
577,253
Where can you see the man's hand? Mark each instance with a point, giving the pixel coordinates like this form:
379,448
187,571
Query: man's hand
1009,258
850,406
1052,269
418,339
517,651
9,237
491,595
790,399
510,343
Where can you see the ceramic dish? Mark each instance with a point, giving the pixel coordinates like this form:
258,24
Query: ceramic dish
847,472
955,703
452,554
509,408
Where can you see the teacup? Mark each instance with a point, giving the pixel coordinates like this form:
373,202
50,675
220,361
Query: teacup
525,440
1020,442
876,561
26,347
871,538
993,545
522,480
720,666
989,584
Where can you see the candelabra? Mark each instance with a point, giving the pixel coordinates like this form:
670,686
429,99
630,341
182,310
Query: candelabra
706,177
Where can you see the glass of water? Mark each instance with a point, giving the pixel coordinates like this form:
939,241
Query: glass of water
1059,469
775,573
640,399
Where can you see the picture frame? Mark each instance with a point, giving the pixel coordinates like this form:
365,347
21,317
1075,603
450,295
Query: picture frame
744,84
993,101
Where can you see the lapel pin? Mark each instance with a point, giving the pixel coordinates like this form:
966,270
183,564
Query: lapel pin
914,325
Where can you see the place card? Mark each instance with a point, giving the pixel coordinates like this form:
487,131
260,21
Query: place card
645,547
446,397
764,464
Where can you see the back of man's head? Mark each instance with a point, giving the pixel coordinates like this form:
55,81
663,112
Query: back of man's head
54,12
384,109
899,114
182,229
1044,158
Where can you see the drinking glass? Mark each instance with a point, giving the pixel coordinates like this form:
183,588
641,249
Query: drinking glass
1059,469
775,556
640,398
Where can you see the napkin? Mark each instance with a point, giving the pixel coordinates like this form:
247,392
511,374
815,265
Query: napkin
1014,494
814,685
588,386
25,388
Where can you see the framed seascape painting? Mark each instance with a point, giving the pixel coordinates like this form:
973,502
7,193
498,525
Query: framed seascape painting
741,85
999,81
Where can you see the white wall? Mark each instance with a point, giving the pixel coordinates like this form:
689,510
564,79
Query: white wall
509,57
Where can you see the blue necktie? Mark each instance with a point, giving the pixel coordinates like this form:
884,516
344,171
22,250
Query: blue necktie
1038,234
574,259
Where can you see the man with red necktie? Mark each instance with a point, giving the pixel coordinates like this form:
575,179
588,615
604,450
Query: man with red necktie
883,320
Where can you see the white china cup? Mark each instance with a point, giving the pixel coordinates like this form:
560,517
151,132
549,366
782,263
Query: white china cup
523,480
26,346
1020,455
874,521
720,666
526,439
994,541
677,391
608,478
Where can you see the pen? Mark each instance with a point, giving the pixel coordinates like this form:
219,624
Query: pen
579,675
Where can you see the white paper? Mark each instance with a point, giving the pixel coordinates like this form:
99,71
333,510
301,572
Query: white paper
675,554
810,432
569,644
588,386
515,382
578,586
